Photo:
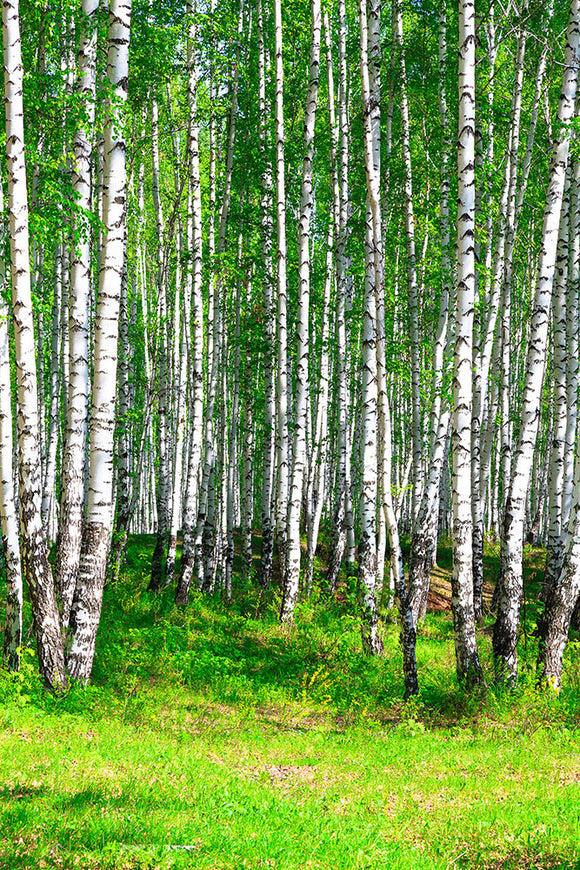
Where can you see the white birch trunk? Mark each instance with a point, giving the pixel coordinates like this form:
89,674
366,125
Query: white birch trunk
8,510
510,591
194,277
367,553
572,341
412,284
342,531
282,446
35,563
123,437
49,489
205,533
248,442
292,578
505,238
424,536
266,229
556,533
159,558
73,463
87,601
467,658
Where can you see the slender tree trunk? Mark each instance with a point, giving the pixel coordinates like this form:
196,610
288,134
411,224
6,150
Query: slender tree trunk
318,465
467,658
87,601
424,537
266,220
412,284
49,489
505,238
8,511
123,507
292,578
572,341
207,512
181,322
248,442
68,546
282,447
342,525
556,534
367,553
511,582
159,558
35,563
194,276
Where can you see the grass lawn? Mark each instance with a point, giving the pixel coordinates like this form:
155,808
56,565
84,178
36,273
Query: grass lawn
214,738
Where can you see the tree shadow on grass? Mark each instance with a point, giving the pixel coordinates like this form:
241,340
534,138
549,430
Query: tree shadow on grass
525,860
22,791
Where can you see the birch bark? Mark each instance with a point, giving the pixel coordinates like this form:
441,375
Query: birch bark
572,341
292,578
266,229
8,510
367,553
159,560
35,563
502,264
342,518
282,447
194,277
412,283
424,536
510,589
49,488
556,533
87,601
467,658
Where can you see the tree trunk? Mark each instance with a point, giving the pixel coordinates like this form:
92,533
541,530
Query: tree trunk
467,658
367,551
35,563
8,511
194,277
87,601
511,581
424,534
266,229
292,578
68,546
282,448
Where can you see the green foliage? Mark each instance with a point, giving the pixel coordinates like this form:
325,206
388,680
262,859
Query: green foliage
24,687
215,738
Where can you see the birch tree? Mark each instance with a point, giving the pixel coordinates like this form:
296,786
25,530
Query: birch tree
291,585
194,289
282,447
87,601
8,509
35,565
510,582
367,544
266,232
73,465
468,666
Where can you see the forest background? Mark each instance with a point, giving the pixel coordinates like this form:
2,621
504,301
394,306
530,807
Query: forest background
289,381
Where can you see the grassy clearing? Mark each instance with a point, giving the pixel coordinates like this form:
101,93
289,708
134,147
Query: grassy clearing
214,738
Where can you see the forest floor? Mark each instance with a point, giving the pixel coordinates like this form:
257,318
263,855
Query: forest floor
215,738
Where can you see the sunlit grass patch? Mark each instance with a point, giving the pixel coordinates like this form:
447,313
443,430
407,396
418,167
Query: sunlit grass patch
212,737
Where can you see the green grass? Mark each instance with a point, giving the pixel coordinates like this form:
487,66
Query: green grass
214,738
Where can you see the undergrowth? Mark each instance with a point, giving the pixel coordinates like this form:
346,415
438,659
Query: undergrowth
213,737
